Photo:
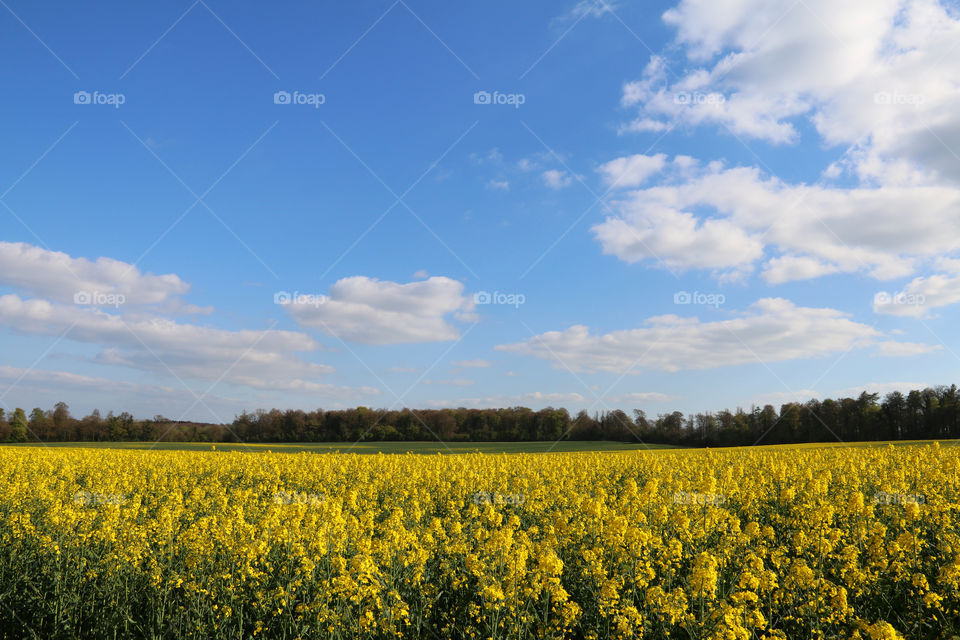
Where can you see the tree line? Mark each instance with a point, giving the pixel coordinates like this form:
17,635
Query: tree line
931,413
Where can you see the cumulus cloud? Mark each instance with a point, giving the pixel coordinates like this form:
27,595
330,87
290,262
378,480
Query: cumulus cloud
806,230
772,330
652,225
880,75
58,276
789,268
921,296
556,179
262,359
371,311
631,171
877,80
112,304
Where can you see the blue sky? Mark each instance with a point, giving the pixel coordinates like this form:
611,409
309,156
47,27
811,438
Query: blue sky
687,205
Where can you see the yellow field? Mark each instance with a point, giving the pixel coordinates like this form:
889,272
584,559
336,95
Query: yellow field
793,543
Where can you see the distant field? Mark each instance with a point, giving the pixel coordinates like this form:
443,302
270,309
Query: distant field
863,444
428,447
424,447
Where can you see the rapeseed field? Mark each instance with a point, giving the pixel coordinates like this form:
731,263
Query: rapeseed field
841,542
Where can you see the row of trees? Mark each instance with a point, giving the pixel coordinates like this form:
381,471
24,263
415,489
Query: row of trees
932,413
58,425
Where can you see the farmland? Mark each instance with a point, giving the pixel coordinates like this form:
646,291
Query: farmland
842,541
368,447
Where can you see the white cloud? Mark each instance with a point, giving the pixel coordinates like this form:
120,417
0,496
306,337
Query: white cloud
777,398
556,179
494,156
456,382
371,311
638,397
775,61
151,398
883,388
773,330
253,358
479,363
877,75
587,9
58,276
920,296
56,380
905,349
801,396
132,336
498,185
314,389
876,79
811,230
655,229
631,171
533,399
538,159
643,125
403,370
789,268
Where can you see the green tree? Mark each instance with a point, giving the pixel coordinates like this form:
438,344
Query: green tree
62,421
39,424
18,426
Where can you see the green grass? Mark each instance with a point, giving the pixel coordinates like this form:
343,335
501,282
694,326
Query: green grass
425,447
